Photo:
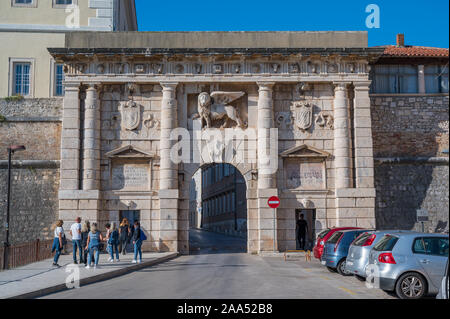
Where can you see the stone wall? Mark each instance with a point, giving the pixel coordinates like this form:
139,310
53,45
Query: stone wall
410,135
34,123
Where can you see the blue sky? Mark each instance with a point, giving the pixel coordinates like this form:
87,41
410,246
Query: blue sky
424,22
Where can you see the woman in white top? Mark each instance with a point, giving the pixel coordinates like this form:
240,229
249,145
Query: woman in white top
58,241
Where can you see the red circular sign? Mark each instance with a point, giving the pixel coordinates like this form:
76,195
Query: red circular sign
273,202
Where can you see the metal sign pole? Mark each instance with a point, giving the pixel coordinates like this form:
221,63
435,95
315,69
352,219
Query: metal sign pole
274,227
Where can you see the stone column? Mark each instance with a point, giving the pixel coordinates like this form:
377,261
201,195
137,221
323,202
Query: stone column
342,157
168,172
266,175
91,141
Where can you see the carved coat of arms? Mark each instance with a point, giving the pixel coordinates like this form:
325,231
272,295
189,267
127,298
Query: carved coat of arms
131,115
303,115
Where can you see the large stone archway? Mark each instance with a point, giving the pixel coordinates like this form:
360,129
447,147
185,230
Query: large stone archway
307,118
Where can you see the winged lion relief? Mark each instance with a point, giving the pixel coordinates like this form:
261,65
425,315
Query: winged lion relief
214,110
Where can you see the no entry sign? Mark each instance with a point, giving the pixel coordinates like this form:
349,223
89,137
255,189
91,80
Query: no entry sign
273,202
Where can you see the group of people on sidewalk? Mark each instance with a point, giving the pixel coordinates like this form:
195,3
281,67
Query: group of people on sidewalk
87,239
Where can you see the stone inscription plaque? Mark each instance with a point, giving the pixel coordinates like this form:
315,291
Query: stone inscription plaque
134,177
303,175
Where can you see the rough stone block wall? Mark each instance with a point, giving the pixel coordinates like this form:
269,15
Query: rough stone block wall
409,126
410,137
404,188
36,124
34,204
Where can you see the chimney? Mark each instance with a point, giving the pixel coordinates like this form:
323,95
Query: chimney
400,40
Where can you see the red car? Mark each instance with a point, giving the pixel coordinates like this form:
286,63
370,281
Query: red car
323,236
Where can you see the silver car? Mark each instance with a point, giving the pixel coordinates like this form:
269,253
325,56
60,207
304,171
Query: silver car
411,264
444,291
358,253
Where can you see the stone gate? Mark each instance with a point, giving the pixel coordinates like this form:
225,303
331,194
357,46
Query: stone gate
296,105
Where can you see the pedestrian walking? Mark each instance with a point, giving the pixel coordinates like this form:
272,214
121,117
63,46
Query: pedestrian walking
137,242
58,241
93,244
75,232
112,237
302,228
124,235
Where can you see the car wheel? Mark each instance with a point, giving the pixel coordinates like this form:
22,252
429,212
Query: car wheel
331,269
341,268
411,286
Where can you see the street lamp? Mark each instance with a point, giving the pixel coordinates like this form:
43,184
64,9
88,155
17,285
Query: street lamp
11,150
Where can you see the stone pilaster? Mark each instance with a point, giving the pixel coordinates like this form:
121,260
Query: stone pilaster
168,182
342,157
266,176
364,164
91,141
363,136
70,138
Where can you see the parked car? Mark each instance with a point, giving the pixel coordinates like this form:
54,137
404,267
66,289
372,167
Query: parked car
336,250
411,264
358,253
444,291
323,236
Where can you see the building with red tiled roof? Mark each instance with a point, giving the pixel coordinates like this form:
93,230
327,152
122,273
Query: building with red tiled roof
411,69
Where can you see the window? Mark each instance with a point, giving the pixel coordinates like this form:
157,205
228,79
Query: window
394,79
24,3
361,239
63,3
58,80
335,237
323,233
386,243
22,79
437,246
436,78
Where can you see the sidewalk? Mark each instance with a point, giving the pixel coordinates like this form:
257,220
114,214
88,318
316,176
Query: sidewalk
41,278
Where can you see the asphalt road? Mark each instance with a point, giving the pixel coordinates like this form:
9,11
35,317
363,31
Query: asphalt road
219,269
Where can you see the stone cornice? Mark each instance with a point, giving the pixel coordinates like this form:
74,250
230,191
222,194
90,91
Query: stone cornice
60,52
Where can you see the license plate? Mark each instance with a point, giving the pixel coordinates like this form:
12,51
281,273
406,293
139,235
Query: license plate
323,262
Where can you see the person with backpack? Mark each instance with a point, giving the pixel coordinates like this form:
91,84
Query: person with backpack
93,244
138,238
112,237
85,229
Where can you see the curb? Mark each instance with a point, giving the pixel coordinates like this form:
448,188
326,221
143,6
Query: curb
93,279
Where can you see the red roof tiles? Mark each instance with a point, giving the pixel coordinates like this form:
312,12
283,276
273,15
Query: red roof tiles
415,51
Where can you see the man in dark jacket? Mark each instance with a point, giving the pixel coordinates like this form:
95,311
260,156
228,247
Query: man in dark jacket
302,229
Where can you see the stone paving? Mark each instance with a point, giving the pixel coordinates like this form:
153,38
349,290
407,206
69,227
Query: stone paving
41,278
